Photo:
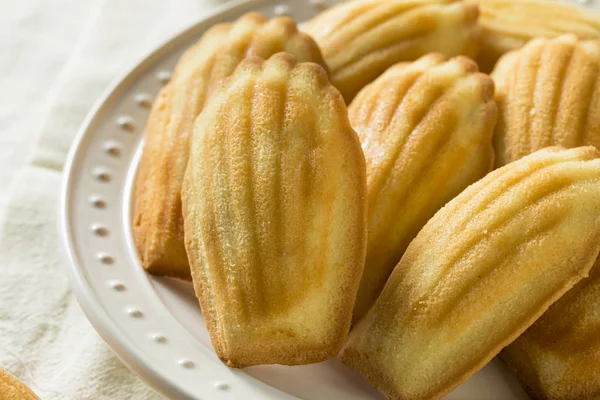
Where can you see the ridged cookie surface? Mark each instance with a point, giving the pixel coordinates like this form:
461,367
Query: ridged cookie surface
548,93
426,130
558,358
274,202
509,24
158,223
480,272
360,39
13,389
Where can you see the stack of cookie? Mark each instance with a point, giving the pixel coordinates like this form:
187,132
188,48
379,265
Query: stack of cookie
364,172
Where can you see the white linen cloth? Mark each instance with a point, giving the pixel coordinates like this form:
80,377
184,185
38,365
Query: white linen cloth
56,59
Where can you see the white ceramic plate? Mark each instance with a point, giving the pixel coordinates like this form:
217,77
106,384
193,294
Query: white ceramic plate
153,324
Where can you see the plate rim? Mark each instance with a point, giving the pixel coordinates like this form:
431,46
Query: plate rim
84,293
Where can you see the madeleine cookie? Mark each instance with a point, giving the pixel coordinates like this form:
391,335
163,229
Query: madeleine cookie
13,389
274,203
360,39
158,221
558,358
508,24
480,272
426,130
548,93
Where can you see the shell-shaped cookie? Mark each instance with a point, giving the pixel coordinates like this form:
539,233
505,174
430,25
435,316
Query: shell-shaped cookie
480,272
426,130
274,204
157,222
360,39
548,93
13,389
558,358
508,24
